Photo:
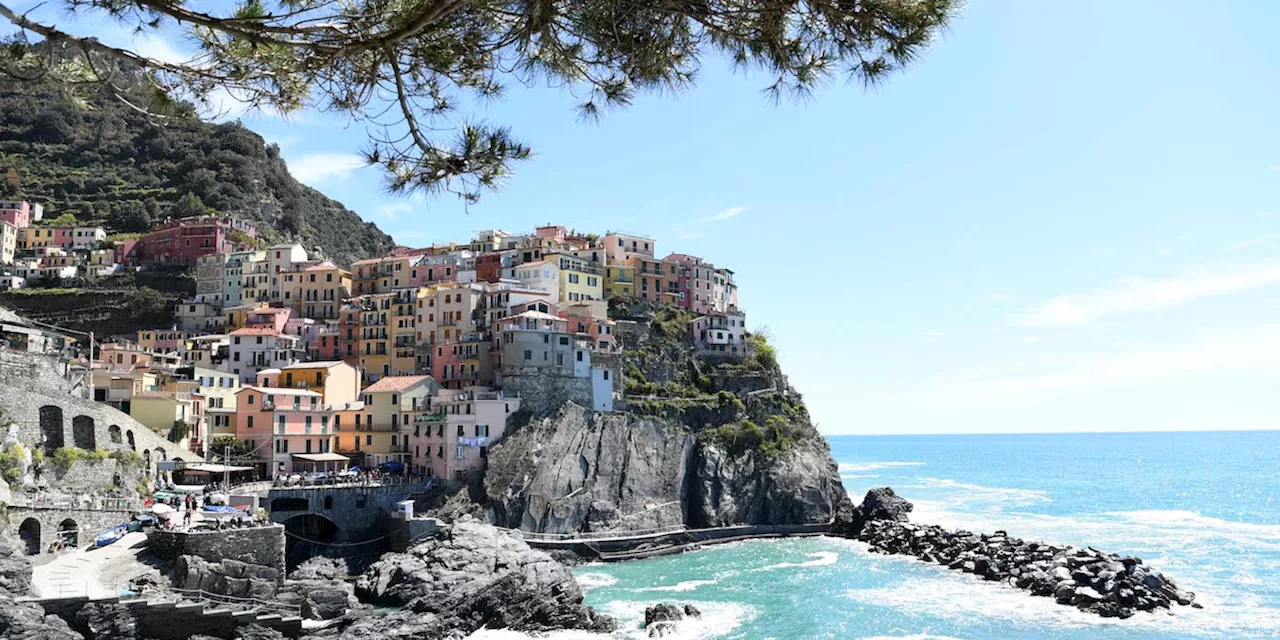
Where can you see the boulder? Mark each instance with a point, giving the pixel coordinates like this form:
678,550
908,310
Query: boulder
28,621
321,568
107,622
15,570
472,575
660,620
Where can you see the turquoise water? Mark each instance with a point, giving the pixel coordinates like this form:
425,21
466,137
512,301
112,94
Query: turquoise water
1203,507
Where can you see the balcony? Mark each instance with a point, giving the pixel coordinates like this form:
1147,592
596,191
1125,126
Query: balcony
435,416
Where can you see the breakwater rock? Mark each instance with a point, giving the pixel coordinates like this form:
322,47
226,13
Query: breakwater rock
662,619
468,576
1107,584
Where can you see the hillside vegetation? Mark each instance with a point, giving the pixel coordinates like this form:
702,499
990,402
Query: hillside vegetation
103,162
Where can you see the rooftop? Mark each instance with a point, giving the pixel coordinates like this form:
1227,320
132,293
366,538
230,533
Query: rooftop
281,391
324,364
256,331
396,383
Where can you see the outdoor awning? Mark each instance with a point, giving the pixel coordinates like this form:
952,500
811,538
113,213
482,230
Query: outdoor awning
209,467
321,457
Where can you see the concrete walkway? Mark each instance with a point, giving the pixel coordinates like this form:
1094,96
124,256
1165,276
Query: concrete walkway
76,574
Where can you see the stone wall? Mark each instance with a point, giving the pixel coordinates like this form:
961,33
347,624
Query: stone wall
257,545
33,371
51,418
42,524
544,395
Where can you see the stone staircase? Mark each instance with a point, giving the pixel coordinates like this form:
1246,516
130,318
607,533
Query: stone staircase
177,620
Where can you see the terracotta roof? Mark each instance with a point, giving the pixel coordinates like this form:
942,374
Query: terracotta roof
325,265
256,331
395,383
326,364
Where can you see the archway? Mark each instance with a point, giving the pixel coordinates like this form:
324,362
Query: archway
129,437
308,535
29,532
82,433
160,454
146,458
113,434
69,531
51,427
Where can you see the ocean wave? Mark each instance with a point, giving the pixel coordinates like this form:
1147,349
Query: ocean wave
977,492
872,466
718,619
1190,519
820,559
687,585
593,579
917,636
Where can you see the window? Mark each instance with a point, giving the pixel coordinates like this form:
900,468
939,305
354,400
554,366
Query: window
564,340
580,353
528,355
368,440
251,396
460,452
606,374
280,424
462,431
249,424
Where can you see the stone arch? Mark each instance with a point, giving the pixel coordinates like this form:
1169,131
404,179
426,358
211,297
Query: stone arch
83,434
160,454
146,458
113,434
308,535
29,532
69,530
129,437
51,426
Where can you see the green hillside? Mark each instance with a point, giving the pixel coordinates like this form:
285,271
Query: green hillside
106,163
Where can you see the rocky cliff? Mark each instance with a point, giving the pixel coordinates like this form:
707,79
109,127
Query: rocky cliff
584,471
704,442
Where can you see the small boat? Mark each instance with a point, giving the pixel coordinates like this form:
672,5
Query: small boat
111,535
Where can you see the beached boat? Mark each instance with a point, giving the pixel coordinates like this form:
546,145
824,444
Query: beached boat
111,535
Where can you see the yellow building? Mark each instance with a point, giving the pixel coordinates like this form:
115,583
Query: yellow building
619,281
317,290
237,316
218,391
162,411
337,381
391,406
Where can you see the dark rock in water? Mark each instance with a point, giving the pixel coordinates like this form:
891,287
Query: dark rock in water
660,619
880,504
472,575
1095,581
15,571
691,611
107,622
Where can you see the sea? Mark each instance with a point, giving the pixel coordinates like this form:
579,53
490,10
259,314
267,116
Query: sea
1202,507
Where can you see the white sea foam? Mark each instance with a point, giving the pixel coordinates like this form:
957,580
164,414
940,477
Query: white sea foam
820,559
967,492
917,636
593,579
963,598
872,466
687,585
718,620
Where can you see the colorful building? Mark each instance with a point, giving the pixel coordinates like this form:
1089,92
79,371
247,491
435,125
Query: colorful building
454,440
184,241
20,213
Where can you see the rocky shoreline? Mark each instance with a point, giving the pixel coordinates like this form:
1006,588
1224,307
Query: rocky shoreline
1106,584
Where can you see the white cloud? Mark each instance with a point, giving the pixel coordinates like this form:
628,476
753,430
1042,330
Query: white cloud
150,45
931,336
1266,238
731,212
315,168
1140,294
1237,348
393,209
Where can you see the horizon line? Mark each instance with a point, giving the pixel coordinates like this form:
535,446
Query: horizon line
1045,433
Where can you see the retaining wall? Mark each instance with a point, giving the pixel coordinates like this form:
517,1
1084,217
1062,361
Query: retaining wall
178,621
256,545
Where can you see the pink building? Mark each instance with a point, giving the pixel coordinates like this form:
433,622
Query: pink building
456,443
184,241
21,213
289,430
696,281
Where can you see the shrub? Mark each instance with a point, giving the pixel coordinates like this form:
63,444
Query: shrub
64,457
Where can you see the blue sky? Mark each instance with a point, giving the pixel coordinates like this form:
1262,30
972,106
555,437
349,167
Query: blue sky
1064,218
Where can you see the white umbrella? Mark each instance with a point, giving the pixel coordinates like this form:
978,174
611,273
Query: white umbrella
163,510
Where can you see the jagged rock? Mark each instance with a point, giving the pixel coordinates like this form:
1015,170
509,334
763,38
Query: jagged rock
228,577
15,570
321,568
1101,583
473,575
325,604
691,611
28,621
257,632
107,622
598,467
660,620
